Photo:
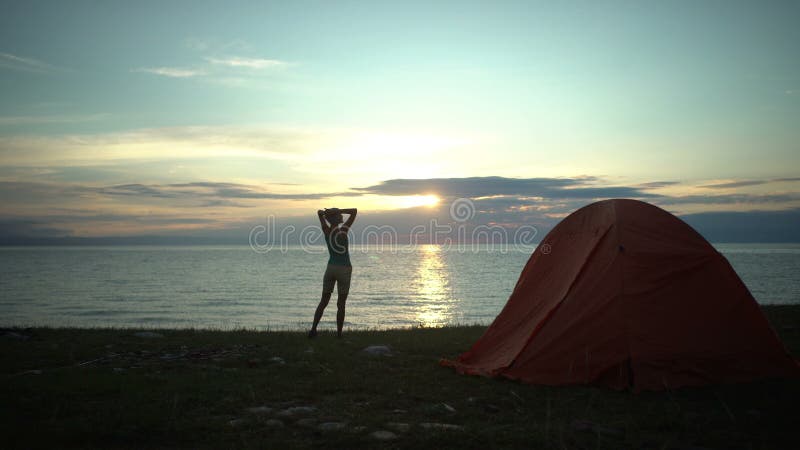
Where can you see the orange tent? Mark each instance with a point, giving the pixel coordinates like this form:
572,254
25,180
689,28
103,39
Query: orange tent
622,293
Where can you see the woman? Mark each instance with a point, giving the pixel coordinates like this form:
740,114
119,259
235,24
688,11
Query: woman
339,269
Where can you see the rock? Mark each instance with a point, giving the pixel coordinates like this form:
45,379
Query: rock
330,426
309,350
259,410
308,422
383,435
378,350
274,423
398,426
15,336
277,360
491,408
358,429
118,370
297,411
399,411
439,408
148,335
236,422
587,425
441,426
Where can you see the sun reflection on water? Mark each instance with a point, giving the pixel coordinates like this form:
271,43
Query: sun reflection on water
433,288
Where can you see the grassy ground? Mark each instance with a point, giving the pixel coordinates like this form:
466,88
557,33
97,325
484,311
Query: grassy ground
111,388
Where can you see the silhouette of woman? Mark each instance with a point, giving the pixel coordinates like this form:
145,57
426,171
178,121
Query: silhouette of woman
339,269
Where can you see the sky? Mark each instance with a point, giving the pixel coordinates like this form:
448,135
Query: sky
185,117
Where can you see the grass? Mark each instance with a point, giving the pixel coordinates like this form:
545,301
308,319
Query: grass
108,388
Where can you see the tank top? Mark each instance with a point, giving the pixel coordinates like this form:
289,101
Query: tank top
338,248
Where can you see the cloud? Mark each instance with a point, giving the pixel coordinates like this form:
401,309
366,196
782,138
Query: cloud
204,194
284,143
743,183
211,191
735,184
728,199
205,206
26,120
476,187
13,62
172,72
657,184
249,63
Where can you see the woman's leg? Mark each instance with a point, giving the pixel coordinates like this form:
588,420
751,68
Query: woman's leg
343,288
340,302
328,280
323,302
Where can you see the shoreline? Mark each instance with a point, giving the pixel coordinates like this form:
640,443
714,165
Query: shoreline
767,309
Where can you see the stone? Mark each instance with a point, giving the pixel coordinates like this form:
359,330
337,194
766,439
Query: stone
297,411
259,410
398,426
587,425
274,423
441,426
378,350
277,360
383,435
148,334
236,422
330,426
14,335
448,408
439,408
308,422
491,408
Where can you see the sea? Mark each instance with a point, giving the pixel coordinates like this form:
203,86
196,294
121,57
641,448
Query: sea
233,287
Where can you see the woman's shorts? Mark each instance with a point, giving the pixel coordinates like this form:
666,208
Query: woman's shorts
339,275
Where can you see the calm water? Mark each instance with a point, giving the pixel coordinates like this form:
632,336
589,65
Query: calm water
224,287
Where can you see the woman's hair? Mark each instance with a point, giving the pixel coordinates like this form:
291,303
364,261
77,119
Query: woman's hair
335,219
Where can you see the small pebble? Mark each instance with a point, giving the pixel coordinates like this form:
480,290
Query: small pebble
260,410
330,426
274,423
383,435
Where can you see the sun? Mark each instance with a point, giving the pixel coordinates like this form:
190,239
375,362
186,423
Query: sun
411,201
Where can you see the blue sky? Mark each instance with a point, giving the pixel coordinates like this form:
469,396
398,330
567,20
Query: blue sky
116,112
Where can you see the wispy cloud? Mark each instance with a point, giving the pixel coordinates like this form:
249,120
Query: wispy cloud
28,120
744,183
14,62
172,72
476,187
735,184
249,63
